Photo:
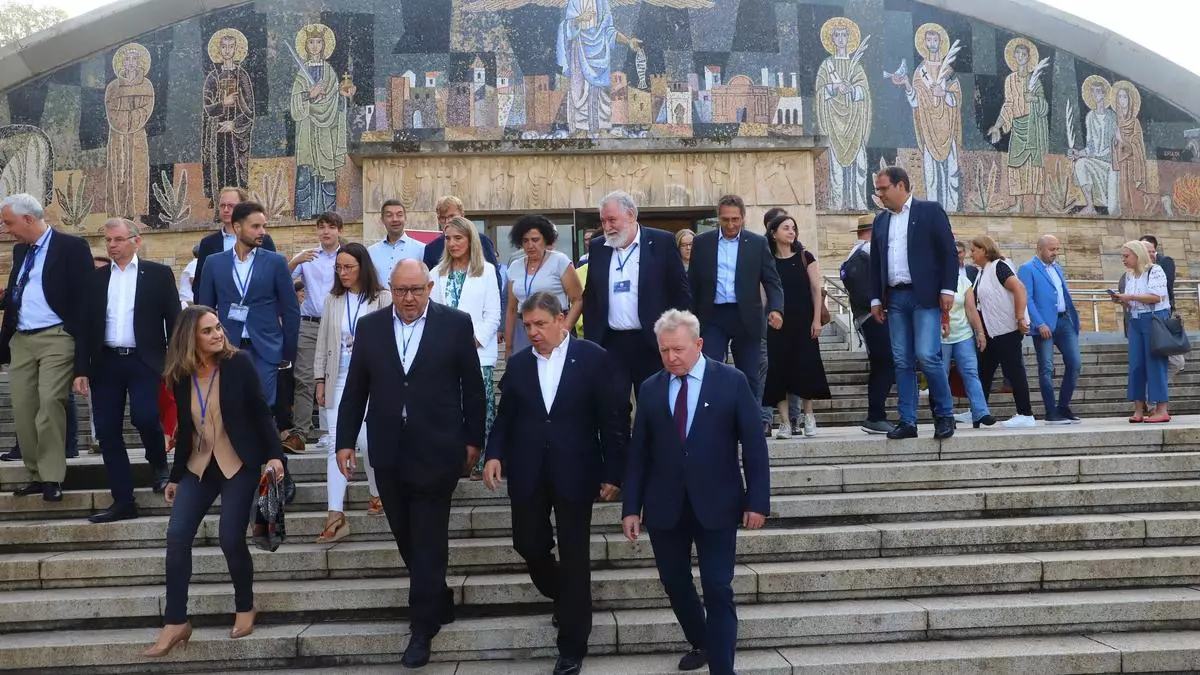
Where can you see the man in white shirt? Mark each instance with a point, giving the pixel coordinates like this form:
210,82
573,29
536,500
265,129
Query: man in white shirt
315,267
397,245
135,305
561,432
186,294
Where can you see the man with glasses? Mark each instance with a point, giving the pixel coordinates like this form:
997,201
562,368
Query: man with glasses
134,309
416,363
914,274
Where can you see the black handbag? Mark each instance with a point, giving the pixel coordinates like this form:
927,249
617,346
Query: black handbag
1167,336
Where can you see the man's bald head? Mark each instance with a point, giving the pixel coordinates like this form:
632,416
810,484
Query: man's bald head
1048,248
410,285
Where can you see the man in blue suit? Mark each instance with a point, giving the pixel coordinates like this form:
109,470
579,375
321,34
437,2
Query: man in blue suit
1054,322
634,275
252,292
914,274
562,432
684,484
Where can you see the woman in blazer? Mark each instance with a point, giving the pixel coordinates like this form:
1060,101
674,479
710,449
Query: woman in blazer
463,280
225,434
356,293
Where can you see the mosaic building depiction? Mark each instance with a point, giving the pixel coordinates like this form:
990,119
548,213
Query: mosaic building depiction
285,98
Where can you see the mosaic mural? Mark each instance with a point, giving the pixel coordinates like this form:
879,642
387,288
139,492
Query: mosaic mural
274,96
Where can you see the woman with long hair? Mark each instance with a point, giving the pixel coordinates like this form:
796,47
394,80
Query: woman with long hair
356,292
226,433
1144,294
794,363
465,281
540,269
1001,300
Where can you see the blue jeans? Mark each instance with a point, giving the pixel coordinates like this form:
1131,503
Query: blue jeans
1067,340
916,334
967,361
1147,372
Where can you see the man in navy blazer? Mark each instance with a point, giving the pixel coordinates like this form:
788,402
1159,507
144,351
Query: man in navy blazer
914,274
225,237
252,291
562,431
684,483
1054,322
634,275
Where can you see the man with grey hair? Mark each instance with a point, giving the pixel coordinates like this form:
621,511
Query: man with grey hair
134,308
683,483
44,338
634,275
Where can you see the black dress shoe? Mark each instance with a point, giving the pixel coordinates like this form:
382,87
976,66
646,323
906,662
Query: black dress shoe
162,476
33,488
114,513
943,427
52,492
416,654
901,431
693,660
565,666
13,455
985,421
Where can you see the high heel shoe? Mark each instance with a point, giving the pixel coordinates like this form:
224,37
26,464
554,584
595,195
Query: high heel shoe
160,649
243,628
335,530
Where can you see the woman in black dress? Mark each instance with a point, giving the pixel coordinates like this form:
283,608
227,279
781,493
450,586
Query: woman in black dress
794,352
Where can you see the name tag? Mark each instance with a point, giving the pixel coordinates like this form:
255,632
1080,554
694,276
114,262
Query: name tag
621,286
238,312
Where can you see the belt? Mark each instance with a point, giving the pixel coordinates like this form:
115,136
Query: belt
35,331
122,351
901,287
314,319
245,343
1063,313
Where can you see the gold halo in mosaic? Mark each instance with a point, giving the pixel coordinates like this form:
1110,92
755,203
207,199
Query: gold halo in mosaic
919,41
1135,97
1010,51
318,30
118,59
852,30
1086,91
241,46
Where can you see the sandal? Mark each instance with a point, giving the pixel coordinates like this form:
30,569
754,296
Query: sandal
1136,419
374,506
1158,419
335,530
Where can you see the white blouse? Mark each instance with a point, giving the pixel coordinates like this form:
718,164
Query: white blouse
1153,281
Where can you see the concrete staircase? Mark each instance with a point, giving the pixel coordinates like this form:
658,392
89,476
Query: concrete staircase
1053,550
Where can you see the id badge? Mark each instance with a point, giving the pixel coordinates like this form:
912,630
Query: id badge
238,312
621,286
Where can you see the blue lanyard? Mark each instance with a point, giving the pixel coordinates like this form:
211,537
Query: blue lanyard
205,398
628,254
406,340
529,279
242,286
354,315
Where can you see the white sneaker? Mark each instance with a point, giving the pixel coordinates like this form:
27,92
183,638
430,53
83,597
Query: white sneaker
963,417
784,432
324,442
924,393
810,425
1019,422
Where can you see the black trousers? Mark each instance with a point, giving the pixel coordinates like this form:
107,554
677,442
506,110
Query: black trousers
882,369
568,580
115,376
285,389
629,348
1005,351
419,518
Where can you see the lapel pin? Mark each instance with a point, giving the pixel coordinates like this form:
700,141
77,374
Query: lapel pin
706,404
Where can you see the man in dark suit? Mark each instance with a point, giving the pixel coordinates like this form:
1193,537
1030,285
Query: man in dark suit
45,338
562,431
634,275
728,268
683,483
447,207
224,238
914,274
417,364
134,308
252,292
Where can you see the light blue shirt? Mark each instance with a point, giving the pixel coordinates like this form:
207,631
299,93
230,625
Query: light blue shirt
1060,301
242,272
318,277
227,240
695,379
727,253
385,255
35,312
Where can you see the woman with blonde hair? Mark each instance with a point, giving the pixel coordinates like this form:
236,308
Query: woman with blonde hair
1001,300
226,432
465,281
1144,295
683,242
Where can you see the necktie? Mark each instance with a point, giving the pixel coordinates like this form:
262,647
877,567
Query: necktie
681,409
26,268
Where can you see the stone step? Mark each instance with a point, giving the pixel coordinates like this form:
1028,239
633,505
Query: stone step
632,631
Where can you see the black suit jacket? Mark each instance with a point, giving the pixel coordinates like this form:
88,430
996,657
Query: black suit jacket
580,442
443,393
662,284
932,255
155,310
212,244
248,420
67,272
755,266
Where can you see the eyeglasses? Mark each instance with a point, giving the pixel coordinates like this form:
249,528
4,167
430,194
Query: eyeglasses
344,268
415,291
117,240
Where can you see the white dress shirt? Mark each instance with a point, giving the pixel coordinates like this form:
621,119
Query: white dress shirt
549,369
186,295
408,336
625,266
242,271
118,318
898,271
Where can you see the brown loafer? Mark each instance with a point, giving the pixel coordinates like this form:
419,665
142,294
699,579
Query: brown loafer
293,443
